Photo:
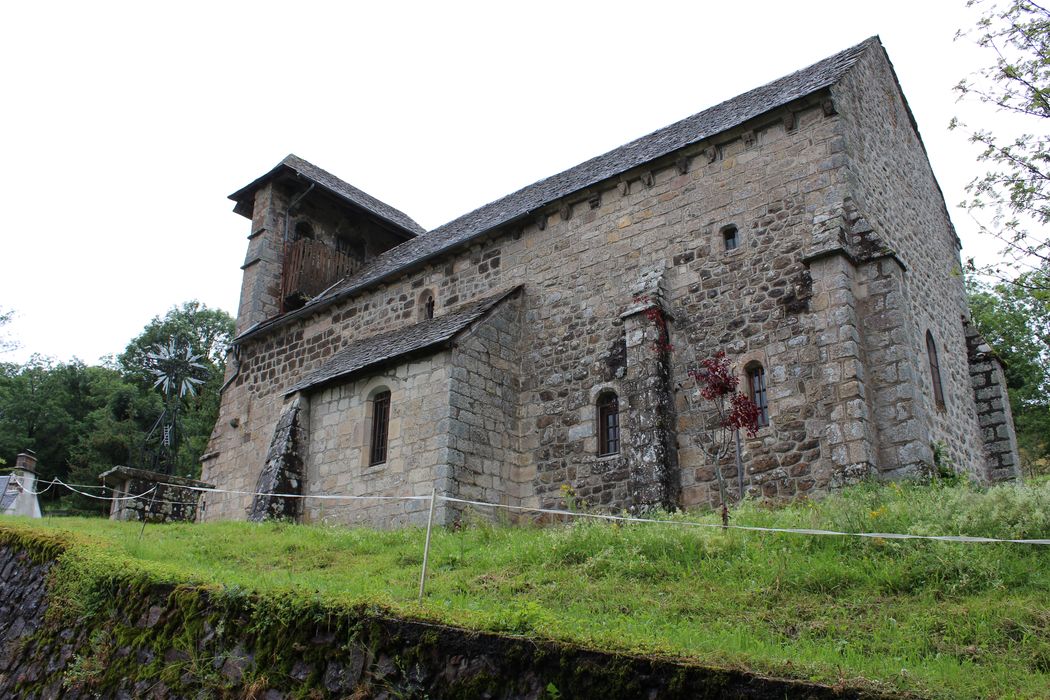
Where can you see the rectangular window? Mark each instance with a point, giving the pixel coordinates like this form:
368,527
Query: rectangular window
935,370
756,382
608,425
380,425
730,238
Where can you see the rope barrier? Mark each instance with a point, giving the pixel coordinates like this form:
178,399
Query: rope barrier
106,498
751,528
37,493
228,493
320,496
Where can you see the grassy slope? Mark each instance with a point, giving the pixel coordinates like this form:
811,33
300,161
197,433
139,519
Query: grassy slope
943,619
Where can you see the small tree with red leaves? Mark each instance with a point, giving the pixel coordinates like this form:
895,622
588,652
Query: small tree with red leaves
732,412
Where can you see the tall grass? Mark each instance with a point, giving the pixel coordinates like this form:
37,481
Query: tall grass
937,618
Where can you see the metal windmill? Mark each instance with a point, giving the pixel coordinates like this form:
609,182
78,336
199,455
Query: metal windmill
178,373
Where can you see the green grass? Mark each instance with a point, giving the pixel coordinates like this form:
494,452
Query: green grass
938,619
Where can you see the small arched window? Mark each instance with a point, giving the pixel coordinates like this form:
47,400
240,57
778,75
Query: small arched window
935,369
608,408
380,428
756,391
426,303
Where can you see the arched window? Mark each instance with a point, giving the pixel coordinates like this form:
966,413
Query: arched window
756,391
380,428
608,423
935,370
426,305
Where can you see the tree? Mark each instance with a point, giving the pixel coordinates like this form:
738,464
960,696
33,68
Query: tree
34,413
54,409
1015,191
729,412
6,344
1015,320
205,331
192,330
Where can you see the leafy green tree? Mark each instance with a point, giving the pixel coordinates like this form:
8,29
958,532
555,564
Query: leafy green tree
205,331
198,330
1015,191
113,431
6,344
34,413
1015,320
54,410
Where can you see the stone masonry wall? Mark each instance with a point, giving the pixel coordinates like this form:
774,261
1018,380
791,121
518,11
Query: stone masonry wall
779,180
284,469
895,392
756,303
483,399
338,445
261,280
167,642
261,285
265,368
578,263
895,189
988,379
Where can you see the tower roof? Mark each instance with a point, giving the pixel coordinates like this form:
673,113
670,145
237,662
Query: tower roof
308,172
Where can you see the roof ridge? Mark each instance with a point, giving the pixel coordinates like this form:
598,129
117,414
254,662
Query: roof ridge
690,130
398,342
657,132
340,188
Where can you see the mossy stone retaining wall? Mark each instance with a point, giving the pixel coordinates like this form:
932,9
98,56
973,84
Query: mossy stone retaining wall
125,636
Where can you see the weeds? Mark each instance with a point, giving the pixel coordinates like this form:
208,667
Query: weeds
938,618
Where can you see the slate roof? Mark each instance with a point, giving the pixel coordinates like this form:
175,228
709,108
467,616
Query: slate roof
385,347
7,498
343,190
529,199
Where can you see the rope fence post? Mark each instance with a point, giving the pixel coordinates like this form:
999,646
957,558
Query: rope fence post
145,515
426,545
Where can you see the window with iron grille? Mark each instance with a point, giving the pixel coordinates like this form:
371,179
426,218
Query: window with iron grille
608,424
935,370
380,425
756,388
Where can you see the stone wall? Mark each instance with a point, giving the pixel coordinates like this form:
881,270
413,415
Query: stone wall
895,189
484,454
800,184
988,379
284,471
579,264
152,640
417,447
167,499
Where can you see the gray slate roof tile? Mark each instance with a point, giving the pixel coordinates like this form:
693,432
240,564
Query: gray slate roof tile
345,190
385,347
8,493
659,143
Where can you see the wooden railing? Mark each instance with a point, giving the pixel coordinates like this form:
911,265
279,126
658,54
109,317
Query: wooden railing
310,267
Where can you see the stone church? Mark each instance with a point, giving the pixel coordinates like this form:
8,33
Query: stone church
543,342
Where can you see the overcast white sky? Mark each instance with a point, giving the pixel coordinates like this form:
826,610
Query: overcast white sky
124,126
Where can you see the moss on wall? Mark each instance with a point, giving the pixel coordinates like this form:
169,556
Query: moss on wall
76,624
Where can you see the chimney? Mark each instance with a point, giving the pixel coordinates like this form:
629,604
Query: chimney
26,460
